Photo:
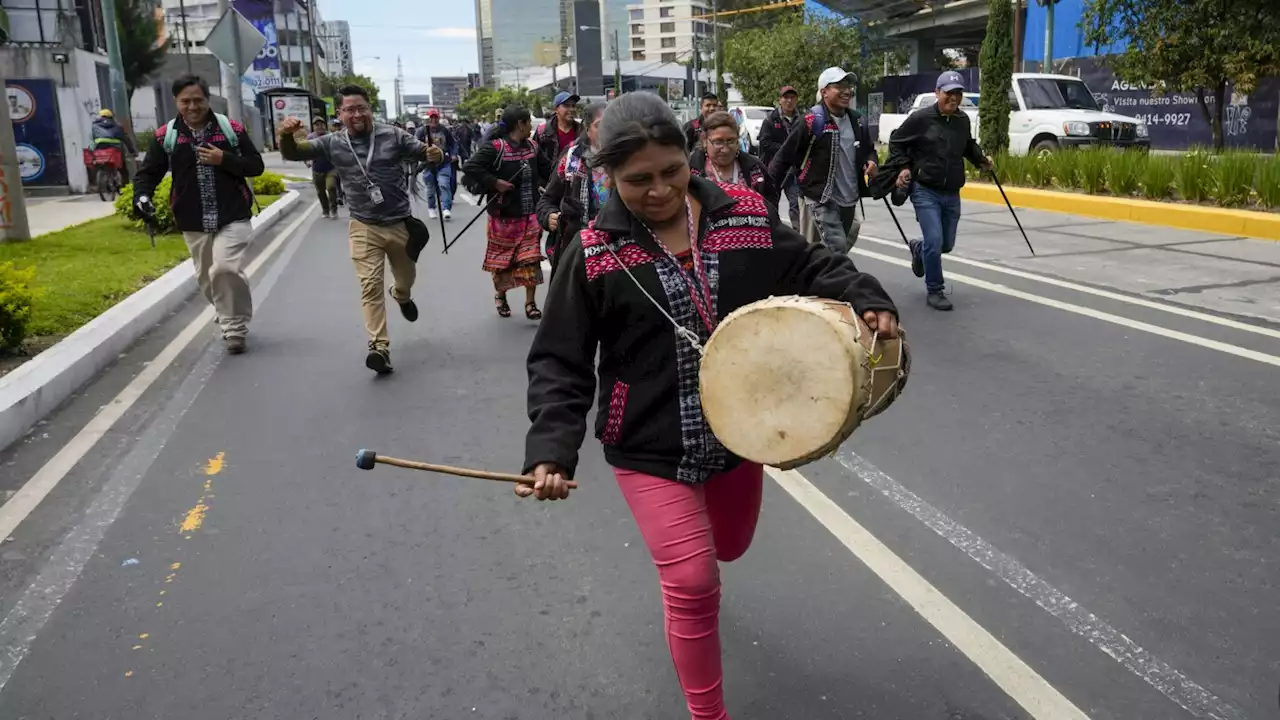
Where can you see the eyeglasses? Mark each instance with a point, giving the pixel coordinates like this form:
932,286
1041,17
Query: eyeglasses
355,109
842,89
723,143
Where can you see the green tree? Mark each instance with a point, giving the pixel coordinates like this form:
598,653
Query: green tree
996,62
812,44
141,51
329,85
1190,45
480,103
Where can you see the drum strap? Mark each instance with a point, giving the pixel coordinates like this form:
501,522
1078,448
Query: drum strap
690,336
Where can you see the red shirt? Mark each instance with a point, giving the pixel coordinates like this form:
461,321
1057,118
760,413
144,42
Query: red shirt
566,138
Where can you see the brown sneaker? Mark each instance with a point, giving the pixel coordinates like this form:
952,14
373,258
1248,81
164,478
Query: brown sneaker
235,345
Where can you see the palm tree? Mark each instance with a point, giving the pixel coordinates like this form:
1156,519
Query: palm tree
142,49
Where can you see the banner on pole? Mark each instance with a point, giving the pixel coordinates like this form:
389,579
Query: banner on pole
265,73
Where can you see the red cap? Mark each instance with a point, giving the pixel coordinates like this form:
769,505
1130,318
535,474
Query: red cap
787,89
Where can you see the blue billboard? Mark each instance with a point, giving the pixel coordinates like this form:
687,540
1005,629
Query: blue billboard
33,109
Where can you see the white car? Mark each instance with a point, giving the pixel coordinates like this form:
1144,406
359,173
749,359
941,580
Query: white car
750,118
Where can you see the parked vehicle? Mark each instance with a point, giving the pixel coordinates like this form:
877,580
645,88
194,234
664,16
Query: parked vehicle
890,121
1049,112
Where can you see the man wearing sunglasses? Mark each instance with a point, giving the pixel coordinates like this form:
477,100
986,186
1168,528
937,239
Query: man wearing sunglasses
935,141
831,153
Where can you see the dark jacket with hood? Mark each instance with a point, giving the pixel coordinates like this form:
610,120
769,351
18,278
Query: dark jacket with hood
569,193
811,155
773,133
936,146
752,169
650,417
548,139
497,159
110,131
231,178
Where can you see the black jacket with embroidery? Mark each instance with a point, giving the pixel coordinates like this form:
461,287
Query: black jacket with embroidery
650,418
755,171
497,160
548,140
568,193
812,157
773,132
231,178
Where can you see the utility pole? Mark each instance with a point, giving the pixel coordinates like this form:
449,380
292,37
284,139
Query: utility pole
1048,35
305,79
399,87
231,74
186,39
119,95
715,30
312,13
13,223
617,65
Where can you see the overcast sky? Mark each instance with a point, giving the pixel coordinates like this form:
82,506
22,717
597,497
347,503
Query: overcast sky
432,37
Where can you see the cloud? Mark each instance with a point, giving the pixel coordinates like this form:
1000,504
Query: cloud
452,33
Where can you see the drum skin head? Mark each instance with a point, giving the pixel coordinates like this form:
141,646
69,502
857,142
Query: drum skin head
780,380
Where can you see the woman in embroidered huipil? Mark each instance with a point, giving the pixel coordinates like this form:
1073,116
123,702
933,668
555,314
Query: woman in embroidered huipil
642,289
721,157
577,191
507,165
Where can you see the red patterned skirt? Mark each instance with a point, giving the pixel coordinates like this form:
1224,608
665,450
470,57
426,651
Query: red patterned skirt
513,255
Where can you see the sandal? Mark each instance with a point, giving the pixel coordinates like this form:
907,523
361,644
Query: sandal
504,310
532,312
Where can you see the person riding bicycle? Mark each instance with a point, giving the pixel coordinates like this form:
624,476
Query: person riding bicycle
107,133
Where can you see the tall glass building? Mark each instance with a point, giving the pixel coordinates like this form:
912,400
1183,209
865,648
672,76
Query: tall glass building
517,34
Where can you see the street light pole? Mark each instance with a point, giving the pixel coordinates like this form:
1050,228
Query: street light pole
13,222
232,73
186,39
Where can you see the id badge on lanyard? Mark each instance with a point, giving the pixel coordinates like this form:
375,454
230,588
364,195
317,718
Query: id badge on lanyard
375,192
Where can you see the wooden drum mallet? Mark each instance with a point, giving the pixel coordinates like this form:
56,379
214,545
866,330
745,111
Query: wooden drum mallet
366,459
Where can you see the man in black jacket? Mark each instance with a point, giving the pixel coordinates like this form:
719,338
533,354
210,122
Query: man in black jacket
831,152
773,132
693,128
935,142
211,159
557,134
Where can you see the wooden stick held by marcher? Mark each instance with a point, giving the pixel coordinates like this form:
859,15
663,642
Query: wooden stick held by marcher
366,459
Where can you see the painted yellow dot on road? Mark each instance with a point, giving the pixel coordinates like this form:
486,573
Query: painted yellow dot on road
194,518
215,464
175,566
129,674
144,636
137,647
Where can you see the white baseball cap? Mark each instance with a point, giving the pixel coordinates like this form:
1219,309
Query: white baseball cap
833,75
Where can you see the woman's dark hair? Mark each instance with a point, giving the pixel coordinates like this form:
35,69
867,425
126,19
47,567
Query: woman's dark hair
512,116
719,119
589,115
633,121
185,81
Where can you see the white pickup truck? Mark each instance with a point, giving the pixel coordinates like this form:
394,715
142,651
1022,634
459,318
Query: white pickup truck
1049,112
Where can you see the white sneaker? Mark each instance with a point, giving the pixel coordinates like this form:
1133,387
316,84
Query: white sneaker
431,214
448,214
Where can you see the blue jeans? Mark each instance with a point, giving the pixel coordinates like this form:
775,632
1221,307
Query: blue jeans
939,217
444,180
791,190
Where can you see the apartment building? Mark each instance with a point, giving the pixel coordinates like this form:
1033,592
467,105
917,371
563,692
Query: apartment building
286,59
665,31
335,45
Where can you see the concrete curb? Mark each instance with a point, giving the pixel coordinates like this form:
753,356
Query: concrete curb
37,388
1221,221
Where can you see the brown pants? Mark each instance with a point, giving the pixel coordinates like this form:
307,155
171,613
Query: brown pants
219,263
372,246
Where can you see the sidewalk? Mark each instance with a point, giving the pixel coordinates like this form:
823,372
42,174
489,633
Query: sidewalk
1223,274
50,214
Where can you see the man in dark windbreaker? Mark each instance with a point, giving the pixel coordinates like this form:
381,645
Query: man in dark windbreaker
693,128
935,141
773,132
831,152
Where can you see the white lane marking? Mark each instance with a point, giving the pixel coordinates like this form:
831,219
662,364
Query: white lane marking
21,627
1140,302
1155,672
13,512
1007,670
1095,314
466,198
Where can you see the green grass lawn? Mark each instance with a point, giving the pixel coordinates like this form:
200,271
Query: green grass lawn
84,270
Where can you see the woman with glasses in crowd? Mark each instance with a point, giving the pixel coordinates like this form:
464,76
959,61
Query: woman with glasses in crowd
506,165
720,158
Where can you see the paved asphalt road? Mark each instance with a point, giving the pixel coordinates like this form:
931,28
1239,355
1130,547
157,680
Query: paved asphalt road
1088,497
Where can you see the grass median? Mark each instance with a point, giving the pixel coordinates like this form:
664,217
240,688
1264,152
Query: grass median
82,271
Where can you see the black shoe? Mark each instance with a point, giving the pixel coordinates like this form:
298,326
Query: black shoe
938,301
409,309
378,360
917,262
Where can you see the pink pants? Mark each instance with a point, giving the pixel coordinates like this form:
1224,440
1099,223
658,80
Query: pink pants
688,529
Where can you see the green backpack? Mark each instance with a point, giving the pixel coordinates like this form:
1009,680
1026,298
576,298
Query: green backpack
224,124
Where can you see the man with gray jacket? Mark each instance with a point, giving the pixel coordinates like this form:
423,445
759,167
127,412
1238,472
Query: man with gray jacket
369,158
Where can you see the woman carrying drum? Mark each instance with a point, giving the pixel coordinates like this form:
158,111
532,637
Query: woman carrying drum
720,157
506,165
576,191
668,256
